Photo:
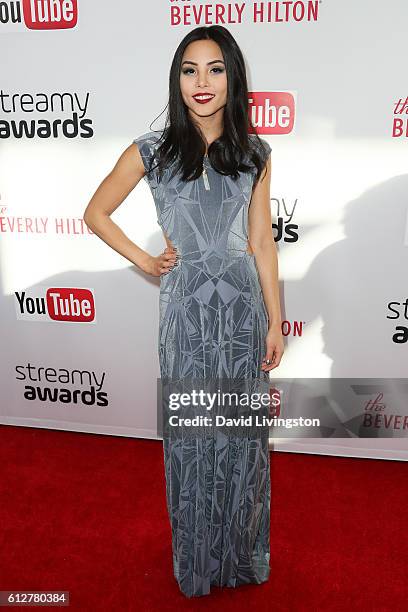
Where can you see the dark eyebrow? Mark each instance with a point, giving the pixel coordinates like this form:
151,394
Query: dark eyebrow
208,63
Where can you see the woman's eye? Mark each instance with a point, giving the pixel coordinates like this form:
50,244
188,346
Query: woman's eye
188,70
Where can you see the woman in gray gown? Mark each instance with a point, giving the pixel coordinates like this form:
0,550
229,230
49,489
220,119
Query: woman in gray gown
213,319
220,321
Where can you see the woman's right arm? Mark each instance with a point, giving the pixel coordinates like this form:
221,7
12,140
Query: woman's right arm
113,190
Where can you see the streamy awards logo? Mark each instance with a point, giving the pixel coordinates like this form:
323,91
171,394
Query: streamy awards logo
398,312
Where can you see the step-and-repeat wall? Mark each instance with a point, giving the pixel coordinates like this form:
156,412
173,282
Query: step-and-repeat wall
79,81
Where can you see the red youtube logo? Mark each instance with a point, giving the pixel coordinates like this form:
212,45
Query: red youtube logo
271,112
50,14
70,304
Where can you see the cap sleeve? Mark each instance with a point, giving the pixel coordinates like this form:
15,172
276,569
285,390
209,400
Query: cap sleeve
263,149
147,145
266,150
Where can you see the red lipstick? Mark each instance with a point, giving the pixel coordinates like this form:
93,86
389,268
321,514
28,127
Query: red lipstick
203,97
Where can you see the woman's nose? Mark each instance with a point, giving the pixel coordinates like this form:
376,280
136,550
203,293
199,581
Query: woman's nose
202,81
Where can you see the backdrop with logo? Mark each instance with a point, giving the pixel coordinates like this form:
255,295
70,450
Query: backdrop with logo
80,81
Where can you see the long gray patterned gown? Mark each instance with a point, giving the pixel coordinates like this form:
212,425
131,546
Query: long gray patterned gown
212,325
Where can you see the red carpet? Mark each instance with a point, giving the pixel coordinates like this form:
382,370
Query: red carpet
87,514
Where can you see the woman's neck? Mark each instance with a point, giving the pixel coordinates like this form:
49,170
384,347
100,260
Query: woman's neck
210,128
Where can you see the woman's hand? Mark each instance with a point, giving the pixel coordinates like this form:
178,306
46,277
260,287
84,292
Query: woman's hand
274,348
163,263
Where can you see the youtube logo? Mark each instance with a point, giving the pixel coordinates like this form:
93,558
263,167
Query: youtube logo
271,112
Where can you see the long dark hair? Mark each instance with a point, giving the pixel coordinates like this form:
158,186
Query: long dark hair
181,142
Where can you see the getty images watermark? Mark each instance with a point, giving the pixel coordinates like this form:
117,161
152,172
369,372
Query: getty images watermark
237,407
284,407
209,401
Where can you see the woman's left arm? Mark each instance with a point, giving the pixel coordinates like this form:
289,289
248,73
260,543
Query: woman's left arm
262,243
